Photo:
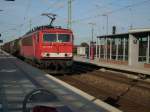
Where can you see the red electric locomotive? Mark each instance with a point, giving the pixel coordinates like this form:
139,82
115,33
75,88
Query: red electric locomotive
50,47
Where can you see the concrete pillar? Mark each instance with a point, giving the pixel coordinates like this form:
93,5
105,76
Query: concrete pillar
124,48
133,51
148,49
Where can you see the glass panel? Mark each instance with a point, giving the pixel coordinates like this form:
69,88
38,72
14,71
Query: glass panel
108,48
49,38
63,38
142,48
126,49
97,48
102,45
120,49
114,44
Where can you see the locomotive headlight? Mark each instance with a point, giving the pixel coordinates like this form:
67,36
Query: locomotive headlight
45,54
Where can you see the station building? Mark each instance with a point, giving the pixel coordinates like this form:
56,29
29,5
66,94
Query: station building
132,48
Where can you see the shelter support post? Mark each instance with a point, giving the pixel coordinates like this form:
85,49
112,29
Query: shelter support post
117,48
133,50
148,49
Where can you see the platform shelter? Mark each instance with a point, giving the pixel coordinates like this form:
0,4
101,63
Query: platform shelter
132,48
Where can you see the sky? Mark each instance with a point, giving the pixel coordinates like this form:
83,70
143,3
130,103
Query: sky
17,17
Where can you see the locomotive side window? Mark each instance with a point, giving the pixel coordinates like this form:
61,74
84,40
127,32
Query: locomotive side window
27,41
63,38
49,38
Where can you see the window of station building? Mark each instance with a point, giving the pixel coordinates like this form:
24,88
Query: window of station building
97,48
120,49
108,48
102,45
50,38
27,41
64,38
114,48
143,48
126,48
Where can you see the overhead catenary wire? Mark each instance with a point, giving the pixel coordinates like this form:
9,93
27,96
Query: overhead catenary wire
111,12
51,6
19,27
35,17
82,19
99,7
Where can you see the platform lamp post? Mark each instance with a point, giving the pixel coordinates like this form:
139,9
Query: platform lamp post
1,41
69,23
91,44
0,33
105,55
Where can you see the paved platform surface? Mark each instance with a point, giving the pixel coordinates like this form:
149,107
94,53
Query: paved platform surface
140,70
17,79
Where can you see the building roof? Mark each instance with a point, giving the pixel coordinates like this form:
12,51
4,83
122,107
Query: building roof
143,30
130,31
114,35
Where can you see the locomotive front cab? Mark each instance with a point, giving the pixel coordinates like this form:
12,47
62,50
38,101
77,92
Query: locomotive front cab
57,44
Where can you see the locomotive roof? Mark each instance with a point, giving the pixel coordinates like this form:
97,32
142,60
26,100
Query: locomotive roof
45,27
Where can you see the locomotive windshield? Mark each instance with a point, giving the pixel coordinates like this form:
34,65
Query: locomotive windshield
63,38
49,37
56,37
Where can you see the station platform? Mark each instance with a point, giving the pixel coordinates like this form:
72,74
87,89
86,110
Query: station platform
18,78
138,69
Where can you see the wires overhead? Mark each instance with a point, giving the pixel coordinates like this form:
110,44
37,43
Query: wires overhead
91,11
26,21
111,12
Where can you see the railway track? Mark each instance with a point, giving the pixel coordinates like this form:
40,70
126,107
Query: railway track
127,94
